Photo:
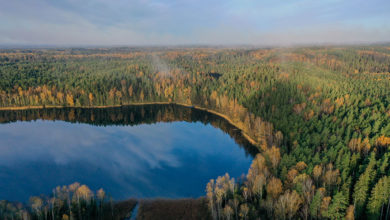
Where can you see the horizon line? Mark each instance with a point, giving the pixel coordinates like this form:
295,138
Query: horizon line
190,45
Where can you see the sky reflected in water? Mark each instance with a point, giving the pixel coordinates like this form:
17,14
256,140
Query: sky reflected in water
150,160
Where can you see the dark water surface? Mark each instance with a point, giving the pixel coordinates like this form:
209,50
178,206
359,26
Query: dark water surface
134,151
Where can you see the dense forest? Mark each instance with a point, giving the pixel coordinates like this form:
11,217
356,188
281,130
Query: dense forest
320,116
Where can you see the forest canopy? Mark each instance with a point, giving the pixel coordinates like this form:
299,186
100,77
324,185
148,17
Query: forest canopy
320,116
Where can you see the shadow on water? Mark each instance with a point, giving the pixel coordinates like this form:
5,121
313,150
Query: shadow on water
130,115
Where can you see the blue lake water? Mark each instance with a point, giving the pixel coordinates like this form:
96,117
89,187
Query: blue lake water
160,159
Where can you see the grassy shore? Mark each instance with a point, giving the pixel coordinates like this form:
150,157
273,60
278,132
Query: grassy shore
123,209
173,209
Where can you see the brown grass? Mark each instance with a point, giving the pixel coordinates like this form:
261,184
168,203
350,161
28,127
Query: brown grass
123,209
173,209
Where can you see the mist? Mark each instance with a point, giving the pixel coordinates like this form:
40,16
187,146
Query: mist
160,65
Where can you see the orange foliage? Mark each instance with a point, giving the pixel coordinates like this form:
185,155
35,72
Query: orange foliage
273,155
339,101
309,115
356,145
350,213
325,205
317,172
299,107
383,141
291,175
130,90
327,106
274,187
69,99
90,97
301,166
284,76
331,176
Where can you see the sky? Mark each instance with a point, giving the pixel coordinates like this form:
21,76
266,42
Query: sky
193,22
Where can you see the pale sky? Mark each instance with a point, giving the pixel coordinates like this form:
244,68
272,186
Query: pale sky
182,22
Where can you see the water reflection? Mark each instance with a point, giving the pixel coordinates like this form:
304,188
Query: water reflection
150,158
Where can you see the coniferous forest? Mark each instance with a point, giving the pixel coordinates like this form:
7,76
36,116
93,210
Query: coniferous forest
319,117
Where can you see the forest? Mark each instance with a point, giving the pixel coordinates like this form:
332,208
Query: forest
319,116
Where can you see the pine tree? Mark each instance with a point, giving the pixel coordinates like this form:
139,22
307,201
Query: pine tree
362,185
378,198
315,204
338,207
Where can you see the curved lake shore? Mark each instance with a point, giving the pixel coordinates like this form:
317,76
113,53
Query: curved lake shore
250,139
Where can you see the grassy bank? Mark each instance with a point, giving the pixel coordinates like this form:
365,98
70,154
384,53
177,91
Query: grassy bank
123,209
173,209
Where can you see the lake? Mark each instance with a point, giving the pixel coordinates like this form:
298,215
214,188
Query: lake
144,151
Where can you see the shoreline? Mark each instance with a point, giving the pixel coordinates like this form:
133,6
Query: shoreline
245,135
